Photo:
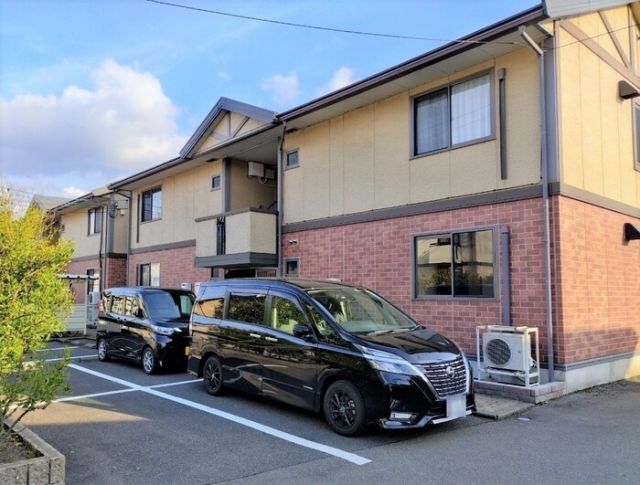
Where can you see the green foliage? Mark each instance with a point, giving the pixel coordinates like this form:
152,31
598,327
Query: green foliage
33,304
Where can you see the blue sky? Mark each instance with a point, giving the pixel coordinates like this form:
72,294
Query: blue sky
92,91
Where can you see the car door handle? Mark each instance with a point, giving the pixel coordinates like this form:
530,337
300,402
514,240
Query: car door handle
271,339
255,335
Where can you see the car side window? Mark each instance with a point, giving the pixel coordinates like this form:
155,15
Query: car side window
134,306
247,308
325,331
105,302
285,314
118,304
210,302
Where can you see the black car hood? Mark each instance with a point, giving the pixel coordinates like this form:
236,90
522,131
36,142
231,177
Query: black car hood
418,345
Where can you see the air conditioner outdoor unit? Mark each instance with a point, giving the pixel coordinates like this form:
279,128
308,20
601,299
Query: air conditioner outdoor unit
256,169
507,351
93,298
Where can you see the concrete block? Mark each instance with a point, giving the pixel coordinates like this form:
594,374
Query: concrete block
57,469
14,474
38,471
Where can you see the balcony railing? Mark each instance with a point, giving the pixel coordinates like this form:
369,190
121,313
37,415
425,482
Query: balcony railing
245,237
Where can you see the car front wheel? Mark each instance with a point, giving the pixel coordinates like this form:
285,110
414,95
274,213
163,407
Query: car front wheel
149,361
344,408
103,353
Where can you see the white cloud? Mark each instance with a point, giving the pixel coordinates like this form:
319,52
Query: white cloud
284,89
73,192
88,137
341,78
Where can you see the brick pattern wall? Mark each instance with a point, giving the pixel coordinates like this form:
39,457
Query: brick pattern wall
598,282
81,267
378,255
116,272
176,267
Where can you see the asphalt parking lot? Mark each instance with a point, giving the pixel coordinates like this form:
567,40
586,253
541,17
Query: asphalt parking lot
120,426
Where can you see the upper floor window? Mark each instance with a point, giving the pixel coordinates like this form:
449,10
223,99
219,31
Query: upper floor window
216,182
293,159
151,205
455,264
95,220
454,115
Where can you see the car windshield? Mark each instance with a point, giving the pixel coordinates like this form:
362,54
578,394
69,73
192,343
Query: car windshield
168,305
360,311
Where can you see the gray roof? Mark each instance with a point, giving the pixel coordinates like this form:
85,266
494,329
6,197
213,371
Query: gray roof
48,202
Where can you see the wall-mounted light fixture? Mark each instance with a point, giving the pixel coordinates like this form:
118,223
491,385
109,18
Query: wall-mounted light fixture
631,232
293,241
626,90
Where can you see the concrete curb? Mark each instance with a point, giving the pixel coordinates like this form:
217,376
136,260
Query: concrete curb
495,407
48,469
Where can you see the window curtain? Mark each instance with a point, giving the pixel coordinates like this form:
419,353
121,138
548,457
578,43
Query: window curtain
470,110
432,122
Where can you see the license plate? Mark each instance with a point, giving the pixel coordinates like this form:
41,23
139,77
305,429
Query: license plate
456,406
187,350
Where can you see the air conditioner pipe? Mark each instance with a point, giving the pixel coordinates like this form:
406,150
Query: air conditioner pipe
544,162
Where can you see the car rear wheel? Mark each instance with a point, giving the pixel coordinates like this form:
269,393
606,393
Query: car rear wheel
103,353
149,361
344,408
212,376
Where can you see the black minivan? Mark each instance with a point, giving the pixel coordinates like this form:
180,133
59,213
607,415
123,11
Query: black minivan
145,325
332,348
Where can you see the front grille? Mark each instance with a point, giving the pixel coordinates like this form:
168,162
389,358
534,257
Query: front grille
447,378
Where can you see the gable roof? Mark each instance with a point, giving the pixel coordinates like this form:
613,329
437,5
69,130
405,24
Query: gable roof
221,107
47,202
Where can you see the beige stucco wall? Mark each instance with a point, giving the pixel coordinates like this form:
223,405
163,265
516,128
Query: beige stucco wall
230,125
185,197
245,191
362,160
251,231
595,125
76,225
121,225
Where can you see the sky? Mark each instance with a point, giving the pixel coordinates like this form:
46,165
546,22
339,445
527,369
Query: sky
92,91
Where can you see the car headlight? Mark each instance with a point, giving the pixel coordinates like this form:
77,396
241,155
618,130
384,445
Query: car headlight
388,362
164,330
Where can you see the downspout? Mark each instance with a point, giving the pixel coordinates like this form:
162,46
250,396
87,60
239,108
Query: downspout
280,195
545,199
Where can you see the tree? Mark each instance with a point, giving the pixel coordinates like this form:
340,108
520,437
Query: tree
33,303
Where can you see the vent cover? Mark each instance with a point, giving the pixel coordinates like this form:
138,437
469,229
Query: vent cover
507,351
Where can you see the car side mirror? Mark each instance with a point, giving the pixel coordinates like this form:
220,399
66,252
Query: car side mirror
139,313
302,330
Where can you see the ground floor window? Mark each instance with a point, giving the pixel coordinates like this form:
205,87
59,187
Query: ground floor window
149,274
455,264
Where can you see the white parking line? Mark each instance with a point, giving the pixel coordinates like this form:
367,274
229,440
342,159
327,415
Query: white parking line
338,453
58,348
97,394
169,384
90,357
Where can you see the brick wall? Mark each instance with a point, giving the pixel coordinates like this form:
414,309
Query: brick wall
598,282
378,255
80,268
176,267
116,272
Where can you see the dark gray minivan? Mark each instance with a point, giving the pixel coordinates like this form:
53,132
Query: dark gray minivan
145,325
332,348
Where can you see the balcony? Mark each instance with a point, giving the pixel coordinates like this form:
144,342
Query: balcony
240,238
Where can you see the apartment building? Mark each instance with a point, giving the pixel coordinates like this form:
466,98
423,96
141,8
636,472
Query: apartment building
494,180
